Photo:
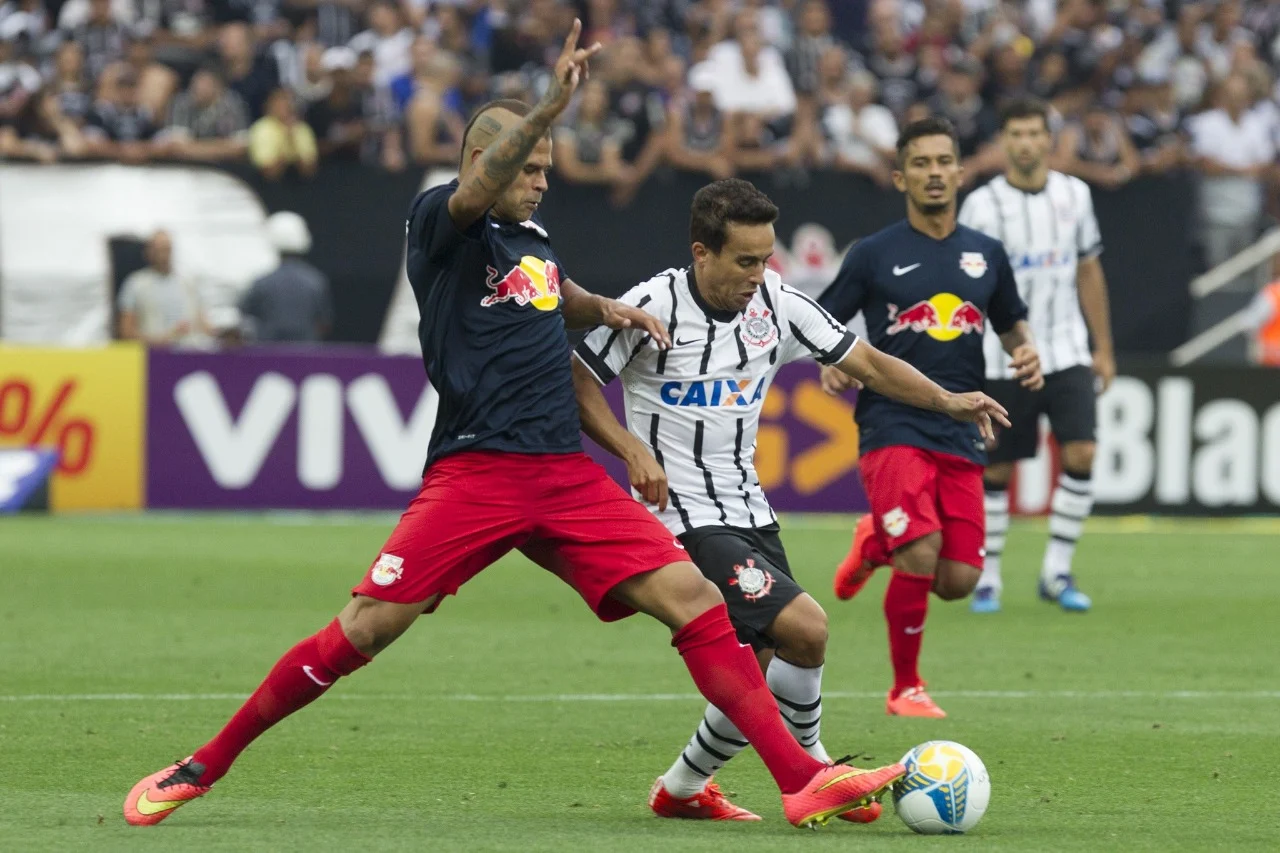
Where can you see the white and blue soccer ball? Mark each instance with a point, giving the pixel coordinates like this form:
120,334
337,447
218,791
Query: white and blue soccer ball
945,791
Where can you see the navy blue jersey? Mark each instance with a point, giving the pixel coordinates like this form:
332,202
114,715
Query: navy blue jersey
493,339
926,301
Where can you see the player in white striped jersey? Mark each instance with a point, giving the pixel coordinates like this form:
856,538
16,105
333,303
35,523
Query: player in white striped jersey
1045,220
689,445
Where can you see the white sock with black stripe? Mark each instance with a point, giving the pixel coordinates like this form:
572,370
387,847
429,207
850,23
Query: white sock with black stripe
798,690
714,742
1071,505
996,503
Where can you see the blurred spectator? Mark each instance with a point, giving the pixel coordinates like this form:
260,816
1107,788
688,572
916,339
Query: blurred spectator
68,83
388,39
101,35
25,21
588,149
1155,124
250,74
280,140
384,138
337,21
157,82
750,75
699,139
431,104
603,21
291,303
1219,36
810,45
157,306
208,121
1097,149
638,114
895,68
1232,148
863,134
41,132
1175,52
522,36
119,127
353,121
958,100
19,82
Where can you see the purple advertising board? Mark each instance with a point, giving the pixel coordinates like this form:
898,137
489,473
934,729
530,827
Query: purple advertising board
349,428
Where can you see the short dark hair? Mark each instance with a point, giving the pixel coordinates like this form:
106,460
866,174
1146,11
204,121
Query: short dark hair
931,126
511,105
717,205
1024,108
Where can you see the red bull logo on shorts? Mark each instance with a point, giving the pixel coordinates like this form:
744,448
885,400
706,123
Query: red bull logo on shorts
943,317
535,282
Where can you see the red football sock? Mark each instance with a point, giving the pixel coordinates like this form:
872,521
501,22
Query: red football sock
906,603
727,674
305,672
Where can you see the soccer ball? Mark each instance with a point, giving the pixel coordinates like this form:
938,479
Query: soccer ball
945,791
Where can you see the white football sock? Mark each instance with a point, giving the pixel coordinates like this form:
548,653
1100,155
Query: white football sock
1071,505
714,742
798,690
996,502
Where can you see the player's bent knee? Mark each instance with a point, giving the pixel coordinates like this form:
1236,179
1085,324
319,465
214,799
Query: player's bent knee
955,581
371,625
919,557
675,594
996,477
801,632
1077,457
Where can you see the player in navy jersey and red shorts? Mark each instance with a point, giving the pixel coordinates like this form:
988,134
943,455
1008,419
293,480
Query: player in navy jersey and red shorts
506,471
926,287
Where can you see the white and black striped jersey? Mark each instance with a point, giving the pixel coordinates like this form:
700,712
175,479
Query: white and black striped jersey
1046,234
697,405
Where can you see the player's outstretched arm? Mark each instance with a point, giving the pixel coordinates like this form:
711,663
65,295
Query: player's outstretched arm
1025,359
602,427
583,310
898,380
502,161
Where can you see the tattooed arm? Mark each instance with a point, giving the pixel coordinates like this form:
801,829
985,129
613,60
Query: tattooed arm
502,160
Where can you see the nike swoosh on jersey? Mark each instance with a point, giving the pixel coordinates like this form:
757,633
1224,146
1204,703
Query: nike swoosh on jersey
897,270
681,343
147,807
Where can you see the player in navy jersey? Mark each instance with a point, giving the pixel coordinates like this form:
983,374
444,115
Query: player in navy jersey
926,288
506,471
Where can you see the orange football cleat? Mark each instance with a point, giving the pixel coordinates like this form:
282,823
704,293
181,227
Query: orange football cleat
836,789
865,814
912,702
708,804
160,794
854,572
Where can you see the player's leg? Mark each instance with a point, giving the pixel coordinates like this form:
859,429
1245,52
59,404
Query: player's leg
961,513
906,609
441,541
1072,407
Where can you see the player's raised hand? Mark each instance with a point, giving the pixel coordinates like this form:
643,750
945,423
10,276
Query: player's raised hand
571,68
620,315
1026,367
977,408
835,381
648,478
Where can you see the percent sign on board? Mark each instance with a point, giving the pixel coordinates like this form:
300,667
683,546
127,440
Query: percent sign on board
45,425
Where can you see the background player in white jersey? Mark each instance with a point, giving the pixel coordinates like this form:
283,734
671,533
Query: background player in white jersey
692,412
1045,220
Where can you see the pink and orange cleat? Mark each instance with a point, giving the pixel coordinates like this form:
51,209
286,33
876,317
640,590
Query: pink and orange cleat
708,804
160,794
853,573
837,789
863,814
912,702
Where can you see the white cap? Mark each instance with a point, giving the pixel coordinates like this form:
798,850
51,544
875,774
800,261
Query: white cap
338,59
288,232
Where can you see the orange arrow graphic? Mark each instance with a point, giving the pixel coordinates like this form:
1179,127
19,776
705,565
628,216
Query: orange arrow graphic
820,466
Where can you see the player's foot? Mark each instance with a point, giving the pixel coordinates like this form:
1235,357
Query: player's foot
912,702
708,804
852,574
159,795
865,814
1062,591
985,600
836,789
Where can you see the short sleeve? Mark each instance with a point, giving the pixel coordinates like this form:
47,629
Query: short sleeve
127,299
1006,307
432,229
848,292
811,332
606,352
1088,235
978,212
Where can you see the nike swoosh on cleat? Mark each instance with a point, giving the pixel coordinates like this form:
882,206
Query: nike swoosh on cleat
313,677
840,778
147,807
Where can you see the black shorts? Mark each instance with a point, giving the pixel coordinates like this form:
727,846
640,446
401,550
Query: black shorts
1069,398
751,569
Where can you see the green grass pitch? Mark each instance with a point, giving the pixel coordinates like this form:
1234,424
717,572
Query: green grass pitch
1152,723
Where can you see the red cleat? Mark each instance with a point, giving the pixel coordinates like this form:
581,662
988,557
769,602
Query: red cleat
837,789
708,804
160,794
854,572
913,702
866,814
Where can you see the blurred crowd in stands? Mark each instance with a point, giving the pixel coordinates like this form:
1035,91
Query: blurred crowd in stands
716,86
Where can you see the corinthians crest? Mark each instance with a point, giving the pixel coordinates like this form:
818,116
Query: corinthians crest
755,583
757,328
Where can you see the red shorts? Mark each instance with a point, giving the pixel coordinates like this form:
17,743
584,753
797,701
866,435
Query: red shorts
562,511
914,492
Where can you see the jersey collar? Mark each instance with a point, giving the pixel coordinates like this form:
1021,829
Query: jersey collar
720,315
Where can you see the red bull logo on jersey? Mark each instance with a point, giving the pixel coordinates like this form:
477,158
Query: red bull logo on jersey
534,282
943,317
713,392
